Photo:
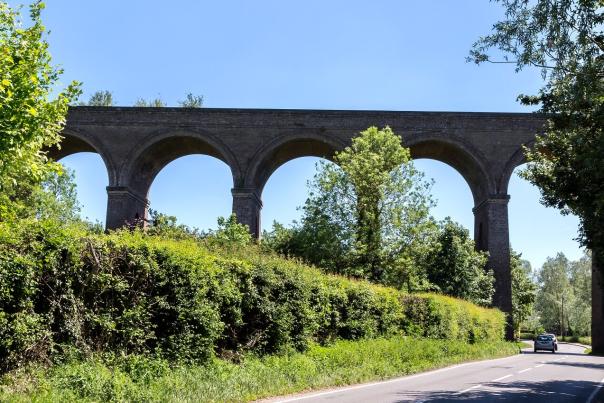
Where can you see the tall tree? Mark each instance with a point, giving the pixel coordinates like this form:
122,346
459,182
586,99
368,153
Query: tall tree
363,214
565,39
523,291
555,295
31,119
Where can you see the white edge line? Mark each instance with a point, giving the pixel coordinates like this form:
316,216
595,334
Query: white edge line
595,392
469,389
502,378
524,370
399,379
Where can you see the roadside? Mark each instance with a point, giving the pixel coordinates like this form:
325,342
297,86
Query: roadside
568,375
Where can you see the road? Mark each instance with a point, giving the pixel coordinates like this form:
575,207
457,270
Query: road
567,376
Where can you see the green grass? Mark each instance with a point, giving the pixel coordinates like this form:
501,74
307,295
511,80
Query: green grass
342,363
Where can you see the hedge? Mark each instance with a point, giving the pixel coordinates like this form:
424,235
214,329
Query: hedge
66,291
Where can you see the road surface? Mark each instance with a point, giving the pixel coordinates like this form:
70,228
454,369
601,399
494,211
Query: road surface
567,376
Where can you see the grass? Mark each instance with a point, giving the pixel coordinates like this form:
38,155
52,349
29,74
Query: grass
342,363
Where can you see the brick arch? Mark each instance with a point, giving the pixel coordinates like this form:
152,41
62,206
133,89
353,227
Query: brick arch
74,142
461,157
162,148
517,159
286,148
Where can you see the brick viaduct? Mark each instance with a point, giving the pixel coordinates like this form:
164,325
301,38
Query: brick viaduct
136,143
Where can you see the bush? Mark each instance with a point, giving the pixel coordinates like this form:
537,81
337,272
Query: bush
65,291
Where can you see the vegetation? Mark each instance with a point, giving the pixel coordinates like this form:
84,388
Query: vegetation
63,288
192,101
30,117
523,291
152,103
134,378
563,38
368,217
99,98
564,298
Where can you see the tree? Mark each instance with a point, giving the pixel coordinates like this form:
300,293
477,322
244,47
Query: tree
523,291
99,98
580,312
563,38
31,119
555,295
455,267
363,214
192,101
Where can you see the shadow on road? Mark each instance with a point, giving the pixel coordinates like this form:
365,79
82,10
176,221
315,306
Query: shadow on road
549,391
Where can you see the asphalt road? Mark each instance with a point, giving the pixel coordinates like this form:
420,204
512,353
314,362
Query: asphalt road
567,376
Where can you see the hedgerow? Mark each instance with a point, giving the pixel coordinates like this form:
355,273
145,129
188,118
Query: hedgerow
65,291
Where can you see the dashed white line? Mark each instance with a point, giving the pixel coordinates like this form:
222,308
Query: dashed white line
469,389
524,370
502,378
540,365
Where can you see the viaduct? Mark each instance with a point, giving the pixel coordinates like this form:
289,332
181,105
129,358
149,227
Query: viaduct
136,143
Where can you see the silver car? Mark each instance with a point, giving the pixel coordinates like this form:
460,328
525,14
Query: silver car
545,342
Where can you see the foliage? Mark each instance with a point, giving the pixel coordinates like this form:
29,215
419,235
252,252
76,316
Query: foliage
99,98
30,119
455,267
63,290
523,291
192,101
364,214
565,39
153,103
564,296
344,362
230,232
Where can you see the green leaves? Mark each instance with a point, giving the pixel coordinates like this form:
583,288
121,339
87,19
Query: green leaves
30,119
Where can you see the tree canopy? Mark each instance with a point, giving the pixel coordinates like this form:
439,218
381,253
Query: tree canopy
563,38
31,118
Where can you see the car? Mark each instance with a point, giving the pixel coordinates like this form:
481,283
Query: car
545,342
555,340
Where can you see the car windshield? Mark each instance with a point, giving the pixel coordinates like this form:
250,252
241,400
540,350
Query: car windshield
544,338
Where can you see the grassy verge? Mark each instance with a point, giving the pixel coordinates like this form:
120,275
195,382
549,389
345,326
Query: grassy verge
342,363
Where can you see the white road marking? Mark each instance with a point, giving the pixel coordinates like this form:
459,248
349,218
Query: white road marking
503,377
540,365
469,389
405,378
524,370
595,392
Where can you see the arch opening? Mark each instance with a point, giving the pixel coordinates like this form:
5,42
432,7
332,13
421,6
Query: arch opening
467,165
286,190
450,191
91,180
276,155
195,188
163,152
537,231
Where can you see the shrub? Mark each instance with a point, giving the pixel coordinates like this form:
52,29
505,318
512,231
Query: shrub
65,291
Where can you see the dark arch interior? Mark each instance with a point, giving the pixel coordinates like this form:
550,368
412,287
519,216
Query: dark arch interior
458,160
165,151
289,151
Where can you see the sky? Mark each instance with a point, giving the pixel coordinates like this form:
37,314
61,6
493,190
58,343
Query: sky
385,55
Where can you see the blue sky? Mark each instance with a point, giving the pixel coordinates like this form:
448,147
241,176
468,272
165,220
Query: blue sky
392,55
